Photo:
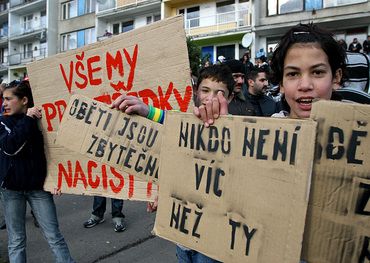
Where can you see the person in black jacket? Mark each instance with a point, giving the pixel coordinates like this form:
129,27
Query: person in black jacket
256,94
23,172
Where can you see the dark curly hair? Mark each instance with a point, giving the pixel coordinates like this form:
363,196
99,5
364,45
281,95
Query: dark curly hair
21,89
308,33
219,73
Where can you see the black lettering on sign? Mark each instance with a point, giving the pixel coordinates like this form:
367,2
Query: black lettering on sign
261,144
82,111
280,147
335,151
73,108
88,115
352,147
213,175
101,148
248,142
180,217
95,138
363,200
293,147
247,233
195,136
365,253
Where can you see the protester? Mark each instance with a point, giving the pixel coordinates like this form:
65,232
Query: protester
342,43
2,218
366,46
247,64
308,64
23,172
238,105
97,215
355,46
255,95
215,83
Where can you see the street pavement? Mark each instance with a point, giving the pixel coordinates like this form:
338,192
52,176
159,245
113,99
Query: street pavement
99,244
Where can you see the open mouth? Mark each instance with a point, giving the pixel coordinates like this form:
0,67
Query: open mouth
305,101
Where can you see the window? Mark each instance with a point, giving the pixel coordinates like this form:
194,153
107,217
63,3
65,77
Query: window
286,6
77,8
192,16
151,19
27,50
27,23
115,29
227,51
77,39
225,12
127,26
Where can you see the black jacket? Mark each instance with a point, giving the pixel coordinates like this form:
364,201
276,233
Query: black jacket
22,156
263,105
240,106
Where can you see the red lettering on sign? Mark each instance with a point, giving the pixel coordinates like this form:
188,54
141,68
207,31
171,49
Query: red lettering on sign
79,175
93,184
73,172
116,189
51,111
91,70
163,100
68,80
184,102
131,186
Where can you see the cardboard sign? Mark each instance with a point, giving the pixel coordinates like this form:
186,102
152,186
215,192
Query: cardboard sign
129,143
338,219
150,62
237,191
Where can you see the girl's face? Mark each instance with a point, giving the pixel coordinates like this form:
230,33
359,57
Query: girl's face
12,104
307,76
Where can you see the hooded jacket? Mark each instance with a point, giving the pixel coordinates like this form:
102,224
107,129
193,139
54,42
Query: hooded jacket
22,156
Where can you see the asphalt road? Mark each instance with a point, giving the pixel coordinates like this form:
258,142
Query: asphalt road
100,243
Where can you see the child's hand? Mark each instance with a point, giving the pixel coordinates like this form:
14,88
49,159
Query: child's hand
152,206
34,112
57,191
212,110
130,105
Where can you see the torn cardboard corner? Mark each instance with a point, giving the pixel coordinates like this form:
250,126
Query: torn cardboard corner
137,62
338,219
237,191
129,143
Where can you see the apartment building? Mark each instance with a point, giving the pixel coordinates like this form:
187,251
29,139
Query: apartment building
76,27
347,19
217,26
31,36
4,13
119,16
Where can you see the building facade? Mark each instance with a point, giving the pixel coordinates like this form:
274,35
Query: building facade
41,28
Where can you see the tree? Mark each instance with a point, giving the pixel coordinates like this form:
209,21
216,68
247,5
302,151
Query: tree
194,56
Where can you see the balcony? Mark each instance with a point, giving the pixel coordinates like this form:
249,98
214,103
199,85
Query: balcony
127,4
4,66
230,21
28,27
24,7
27,57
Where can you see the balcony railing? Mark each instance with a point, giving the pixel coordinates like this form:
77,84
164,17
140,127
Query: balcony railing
27,56
14,3
110,4
219,22
27,27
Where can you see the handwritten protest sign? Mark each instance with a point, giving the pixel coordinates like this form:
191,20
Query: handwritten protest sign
127,142
338,219
237,191
150,62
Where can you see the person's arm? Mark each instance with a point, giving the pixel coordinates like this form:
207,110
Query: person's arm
13,139
133,105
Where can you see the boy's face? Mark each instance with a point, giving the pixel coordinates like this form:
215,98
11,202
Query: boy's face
307,76
208,90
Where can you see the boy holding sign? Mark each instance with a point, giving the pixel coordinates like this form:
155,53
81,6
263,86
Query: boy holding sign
215,85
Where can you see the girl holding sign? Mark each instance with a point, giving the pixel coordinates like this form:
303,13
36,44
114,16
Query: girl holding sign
23,172
308,64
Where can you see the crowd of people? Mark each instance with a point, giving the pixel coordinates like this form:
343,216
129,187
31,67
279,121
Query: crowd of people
308,64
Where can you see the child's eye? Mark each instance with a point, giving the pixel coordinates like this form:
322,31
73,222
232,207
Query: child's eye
318,72
292,74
